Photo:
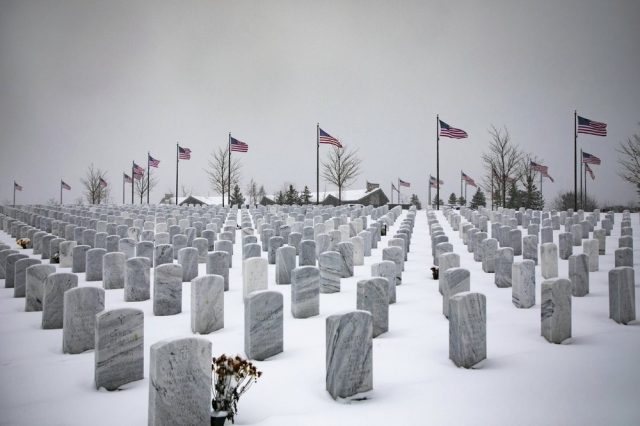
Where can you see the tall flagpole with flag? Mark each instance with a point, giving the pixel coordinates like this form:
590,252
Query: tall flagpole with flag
444,130
151,162
238,146
323,137
133,177
181,154
15,187
63,185
589,127
229,177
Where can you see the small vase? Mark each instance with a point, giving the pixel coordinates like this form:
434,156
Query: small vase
218,418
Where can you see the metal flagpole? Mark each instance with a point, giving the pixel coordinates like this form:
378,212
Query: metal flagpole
437,162
540,183
14,193
148,176
465,193
177,159
123,181
61,192
398,189
492,176
132,179
429,191
585,189
318,165
229,176
461,185
581,197
575,164
392,193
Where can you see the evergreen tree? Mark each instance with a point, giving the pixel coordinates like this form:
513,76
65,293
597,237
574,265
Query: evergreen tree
237,199
452,199
416,201
478,199
306,195
291,196
261,193
531,198
513,197
462,201
433,202
280,198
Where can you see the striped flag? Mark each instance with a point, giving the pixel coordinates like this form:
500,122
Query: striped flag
325,137
184,153
590,159
64,185
238,146
137,170
127,178
103,183
447,131
432,182
539,167
588,169
403,183
153,162
16,186
548,176
468,180
591,127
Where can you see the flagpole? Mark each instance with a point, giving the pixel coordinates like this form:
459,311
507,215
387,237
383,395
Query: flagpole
177,159
585,188
392,193
581,197
14,193
229,177
398,189
492,175
465,193
429,191
437,163
132,179
60,192
318,166
123,182
461,185
148,176
575,164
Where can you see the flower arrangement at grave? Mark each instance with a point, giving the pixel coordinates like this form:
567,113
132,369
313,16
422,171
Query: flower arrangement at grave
23,242
232,377
55,258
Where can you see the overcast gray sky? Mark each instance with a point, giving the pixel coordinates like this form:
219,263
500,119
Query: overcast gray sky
106,81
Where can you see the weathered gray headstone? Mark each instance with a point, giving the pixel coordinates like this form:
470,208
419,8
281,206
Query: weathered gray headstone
285,263
549,260
162,253
579,274
218,264
307,250
622,295
94,264
79,258
10,268
345,248
136,280
207,304
396,255
530,248
263,324
53,300
254,276
504,264
386,269
489,251
623,257
167,289
349,359
274,244
373,296
188,259
81,305
467,329
119,348
523,293
453,281
20,274
180,382
556,310
565,242
36,277
592,248
305,292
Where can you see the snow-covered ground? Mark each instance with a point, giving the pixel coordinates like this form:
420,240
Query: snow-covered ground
591,379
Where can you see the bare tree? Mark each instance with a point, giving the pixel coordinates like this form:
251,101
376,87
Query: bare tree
341,168
93,187
252,192
502,162
186,192
629,160
141,186
218,171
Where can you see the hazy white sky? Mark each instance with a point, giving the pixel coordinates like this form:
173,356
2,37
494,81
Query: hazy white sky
106,81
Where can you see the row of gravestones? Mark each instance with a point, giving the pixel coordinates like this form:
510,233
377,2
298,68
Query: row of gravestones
556,303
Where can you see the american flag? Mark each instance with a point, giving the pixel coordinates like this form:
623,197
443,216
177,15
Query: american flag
184,153
138,176
548,176
539,167
325,137
451,132
468,180
590,159
403,183
127,178
16,186
137,170
238,146
432,182
64,185
153,162
588,169
591,127
103,183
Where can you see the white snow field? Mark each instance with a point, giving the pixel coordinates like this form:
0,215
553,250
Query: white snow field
591,379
